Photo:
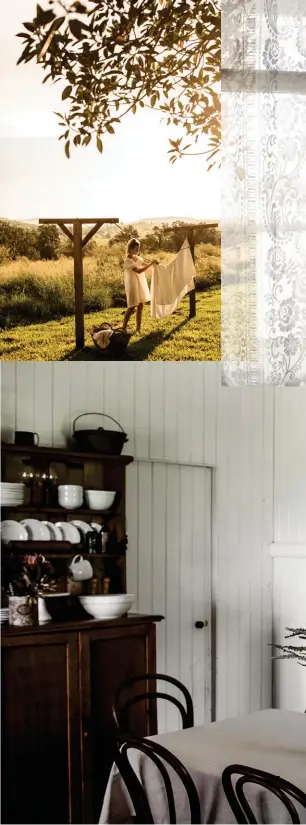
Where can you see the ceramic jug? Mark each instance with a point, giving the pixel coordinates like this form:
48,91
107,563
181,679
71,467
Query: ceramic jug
81,569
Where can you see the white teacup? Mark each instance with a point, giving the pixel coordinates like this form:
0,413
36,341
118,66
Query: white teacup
81,569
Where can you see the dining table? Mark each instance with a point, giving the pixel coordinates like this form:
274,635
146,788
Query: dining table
272,740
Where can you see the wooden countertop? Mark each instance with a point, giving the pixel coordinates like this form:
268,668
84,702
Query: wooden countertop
84,624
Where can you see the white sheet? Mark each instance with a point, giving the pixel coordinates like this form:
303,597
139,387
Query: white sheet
272,740
171,282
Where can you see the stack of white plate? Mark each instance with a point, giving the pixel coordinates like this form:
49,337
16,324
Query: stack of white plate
12,495
4,614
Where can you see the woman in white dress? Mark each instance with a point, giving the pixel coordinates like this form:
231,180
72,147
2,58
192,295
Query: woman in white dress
135,282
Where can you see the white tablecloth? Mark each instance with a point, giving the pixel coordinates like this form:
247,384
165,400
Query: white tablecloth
272,740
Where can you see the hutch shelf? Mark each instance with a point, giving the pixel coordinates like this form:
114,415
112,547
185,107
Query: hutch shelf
91,471
59,679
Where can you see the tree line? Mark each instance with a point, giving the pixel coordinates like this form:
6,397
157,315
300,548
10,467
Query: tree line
166,238
43,242
46,242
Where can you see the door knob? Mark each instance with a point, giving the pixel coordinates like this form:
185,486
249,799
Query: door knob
200,625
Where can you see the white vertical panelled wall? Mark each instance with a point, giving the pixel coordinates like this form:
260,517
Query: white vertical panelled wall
181,423
289,546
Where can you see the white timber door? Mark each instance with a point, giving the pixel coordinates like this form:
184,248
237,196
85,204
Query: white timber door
169,569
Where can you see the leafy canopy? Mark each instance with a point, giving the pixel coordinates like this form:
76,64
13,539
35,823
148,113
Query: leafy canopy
119,55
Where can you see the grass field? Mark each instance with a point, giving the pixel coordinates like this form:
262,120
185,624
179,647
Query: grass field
37,309
177,338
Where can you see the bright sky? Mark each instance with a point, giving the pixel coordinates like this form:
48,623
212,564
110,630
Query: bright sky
132,180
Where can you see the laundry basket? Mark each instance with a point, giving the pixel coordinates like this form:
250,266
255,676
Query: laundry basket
118,341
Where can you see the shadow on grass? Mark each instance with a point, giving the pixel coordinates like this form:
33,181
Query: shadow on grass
144,347
137,351
92,354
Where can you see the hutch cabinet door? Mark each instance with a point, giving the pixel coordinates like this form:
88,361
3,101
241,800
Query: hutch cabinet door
41,771
108,657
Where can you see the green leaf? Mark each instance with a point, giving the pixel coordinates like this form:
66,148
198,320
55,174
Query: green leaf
67,92
67,149
24,54
110,129
44,17
76,28
99,144
30,26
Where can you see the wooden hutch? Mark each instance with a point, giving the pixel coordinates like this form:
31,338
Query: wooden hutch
59,678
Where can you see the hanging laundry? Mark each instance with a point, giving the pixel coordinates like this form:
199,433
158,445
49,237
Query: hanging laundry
171,282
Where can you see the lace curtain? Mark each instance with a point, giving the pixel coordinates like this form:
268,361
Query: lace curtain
264,192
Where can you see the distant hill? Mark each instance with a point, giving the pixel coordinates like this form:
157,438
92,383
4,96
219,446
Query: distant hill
23,224
143,225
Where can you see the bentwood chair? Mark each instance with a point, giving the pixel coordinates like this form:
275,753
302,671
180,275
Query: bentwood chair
124,701
162,758
241,808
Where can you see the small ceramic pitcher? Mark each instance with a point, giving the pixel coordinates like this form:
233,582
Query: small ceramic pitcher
81,569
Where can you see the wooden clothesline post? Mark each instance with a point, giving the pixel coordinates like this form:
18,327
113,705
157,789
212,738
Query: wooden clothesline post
78,242
190,230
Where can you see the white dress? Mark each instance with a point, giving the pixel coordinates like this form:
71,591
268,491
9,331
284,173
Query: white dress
136,285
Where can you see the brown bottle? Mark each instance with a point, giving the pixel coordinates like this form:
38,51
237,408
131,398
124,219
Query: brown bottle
106,584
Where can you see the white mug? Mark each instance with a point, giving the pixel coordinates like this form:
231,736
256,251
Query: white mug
81,569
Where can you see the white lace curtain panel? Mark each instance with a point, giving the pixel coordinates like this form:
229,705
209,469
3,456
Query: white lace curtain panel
264,192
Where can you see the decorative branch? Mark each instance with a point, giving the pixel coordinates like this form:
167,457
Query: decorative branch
297,652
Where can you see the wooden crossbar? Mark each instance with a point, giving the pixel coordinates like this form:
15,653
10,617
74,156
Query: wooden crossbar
82,220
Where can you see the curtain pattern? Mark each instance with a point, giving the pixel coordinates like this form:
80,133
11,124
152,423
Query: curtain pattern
264,192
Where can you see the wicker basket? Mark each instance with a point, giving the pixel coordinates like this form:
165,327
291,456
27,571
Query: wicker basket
118,340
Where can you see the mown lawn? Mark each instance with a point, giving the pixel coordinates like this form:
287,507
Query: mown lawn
177,338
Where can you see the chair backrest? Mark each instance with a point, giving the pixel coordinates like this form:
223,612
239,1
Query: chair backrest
161,757
284,790
121,707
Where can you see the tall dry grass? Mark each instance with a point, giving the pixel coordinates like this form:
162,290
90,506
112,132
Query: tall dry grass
38,291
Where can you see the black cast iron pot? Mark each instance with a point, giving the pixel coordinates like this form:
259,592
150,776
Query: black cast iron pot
109,442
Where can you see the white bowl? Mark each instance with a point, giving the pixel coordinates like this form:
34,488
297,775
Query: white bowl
111,606
70,505
99,499
70,488
70,496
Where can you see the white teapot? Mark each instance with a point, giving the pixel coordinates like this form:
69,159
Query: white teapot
81,569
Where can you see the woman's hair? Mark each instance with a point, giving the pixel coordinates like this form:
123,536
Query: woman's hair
131,244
